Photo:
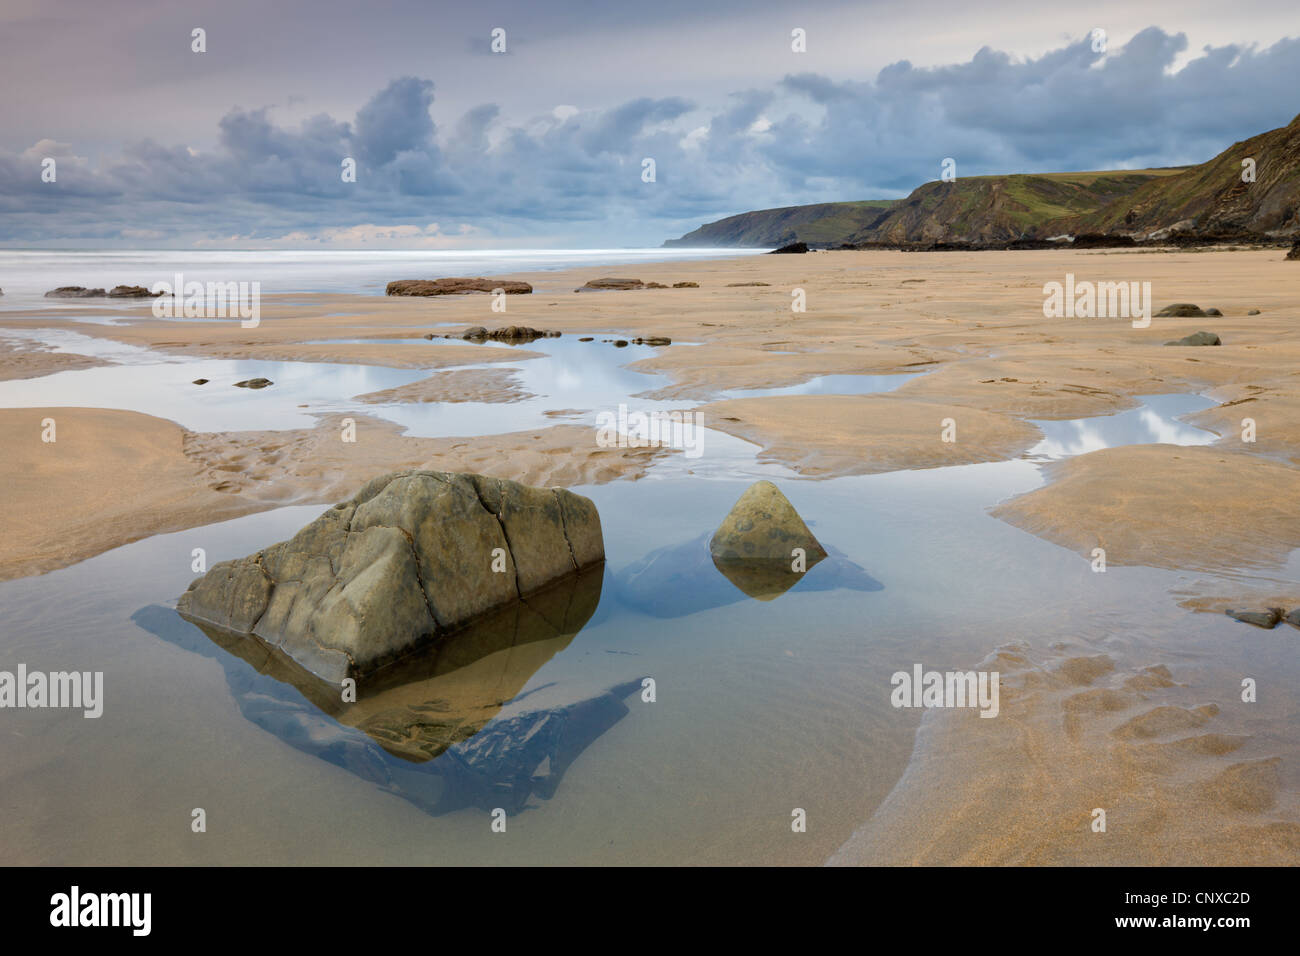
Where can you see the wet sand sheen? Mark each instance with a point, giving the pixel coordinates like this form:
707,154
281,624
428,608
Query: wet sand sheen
1117,697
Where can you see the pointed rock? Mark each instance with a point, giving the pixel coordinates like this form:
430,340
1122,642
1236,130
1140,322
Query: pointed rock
764,527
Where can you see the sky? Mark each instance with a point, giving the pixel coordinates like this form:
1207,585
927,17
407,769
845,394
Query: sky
544,144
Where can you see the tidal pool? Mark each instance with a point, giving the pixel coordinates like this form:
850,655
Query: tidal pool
587,377
1155,420
761,706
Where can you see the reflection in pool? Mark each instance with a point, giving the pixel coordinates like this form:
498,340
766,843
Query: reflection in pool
830,385
760,705
1154,420
446,727
683,578
585,376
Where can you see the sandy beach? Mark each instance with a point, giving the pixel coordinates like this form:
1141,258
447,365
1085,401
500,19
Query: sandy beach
981,374
972,322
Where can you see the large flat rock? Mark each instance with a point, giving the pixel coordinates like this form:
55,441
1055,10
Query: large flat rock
456,286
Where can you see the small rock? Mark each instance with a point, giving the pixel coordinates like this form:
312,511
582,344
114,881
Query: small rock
620,343
254,383
763,526
200,381
1293,618
1267,619
655,285
745,285
429,335
1253,312
1197,338
1214,312
794,247
1295,250
586,338
1181,310
653,340
686,285
476,332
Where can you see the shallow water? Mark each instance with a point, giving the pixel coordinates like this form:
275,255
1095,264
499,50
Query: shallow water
1155,420
761,706
585,377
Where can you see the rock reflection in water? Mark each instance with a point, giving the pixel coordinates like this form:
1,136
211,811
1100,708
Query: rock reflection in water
444,728
682,579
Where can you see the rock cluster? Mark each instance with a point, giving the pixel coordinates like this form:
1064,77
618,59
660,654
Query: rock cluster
610,284
75,292
117,292
510,333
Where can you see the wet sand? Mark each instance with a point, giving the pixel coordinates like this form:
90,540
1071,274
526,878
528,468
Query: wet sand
113,477
459,385
1186,778
868,434
1164,506
1182,780
18,363
972,322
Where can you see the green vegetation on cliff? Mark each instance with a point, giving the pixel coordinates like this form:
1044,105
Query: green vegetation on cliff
1209,199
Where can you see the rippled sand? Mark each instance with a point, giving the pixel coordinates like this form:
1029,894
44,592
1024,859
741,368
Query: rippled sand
1132,707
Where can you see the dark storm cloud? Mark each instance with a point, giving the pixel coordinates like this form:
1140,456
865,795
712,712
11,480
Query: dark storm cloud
575,174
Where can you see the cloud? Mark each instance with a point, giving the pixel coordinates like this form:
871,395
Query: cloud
396,120
575,173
